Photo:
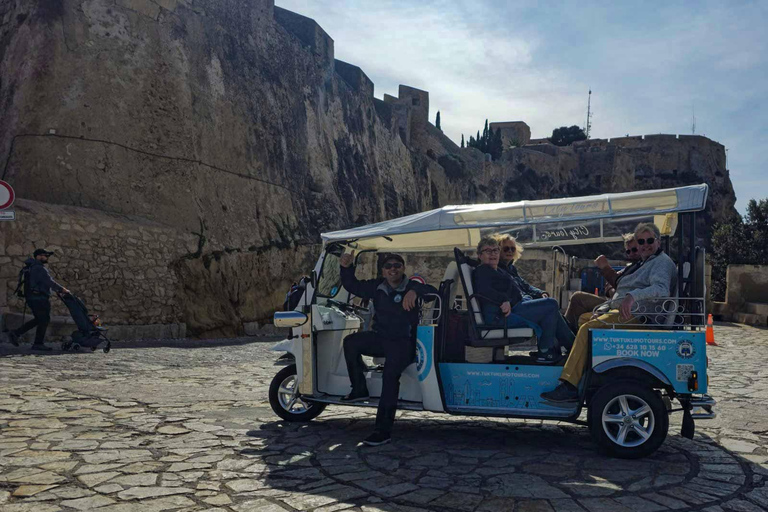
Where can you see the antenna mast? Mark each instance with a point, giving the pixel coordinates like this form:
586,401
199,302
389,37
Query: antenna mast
589,113
693,120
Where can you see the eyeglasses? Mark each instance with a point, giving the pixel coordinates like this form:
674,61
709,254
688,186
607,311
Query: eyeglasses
508,248
643,241
494,250
630,251
388,266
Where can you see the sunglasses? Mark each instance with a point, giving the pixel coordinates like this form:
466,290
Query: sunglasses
508,249
630,251
388,266
495,250
643,241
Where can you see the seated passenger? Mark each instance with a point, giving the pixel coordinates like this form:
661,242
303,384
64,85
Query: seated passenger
510,253
393,335
656,277
584,302
502,301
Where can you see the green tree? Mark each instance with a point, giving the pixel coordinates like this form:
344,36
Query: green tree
437,121
496,146
462,140
739,241
567,135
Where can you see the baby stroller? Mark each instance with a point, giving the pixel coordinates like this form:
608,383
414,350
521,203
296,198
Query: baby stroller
89,331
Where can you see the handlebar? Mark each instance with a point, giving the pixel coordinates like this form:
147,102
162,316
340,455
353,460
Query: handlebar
344,306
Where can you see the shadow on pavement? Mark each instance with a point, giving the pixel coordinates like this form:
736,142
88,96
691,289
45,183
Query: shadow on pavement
187,343
486,465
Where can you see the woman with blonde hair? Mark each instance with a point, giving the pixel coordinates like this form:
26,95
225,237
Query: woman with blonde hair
511,251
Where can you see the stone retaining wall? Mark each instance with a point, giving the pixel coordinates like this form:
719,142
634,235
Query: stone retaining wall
118,265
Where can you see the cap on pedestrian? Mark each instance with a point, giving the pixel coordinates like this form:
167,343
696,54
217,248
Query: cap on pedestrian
38,252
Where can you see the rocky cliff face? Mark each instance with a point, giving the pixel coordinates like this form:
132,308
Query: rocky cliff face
232,124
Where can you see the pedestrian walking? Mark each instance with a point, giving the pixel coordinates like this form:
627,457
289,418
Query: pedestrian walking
37,285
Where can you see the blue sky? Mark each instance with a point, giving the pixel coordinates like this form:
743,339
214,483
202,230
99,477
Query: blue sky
648,67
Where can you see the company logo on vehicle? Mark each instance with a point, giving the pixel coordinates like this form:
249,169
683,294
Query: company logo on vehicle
685,349
423,362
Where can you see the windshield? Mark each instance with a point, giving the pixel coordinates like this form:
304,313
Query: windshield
329,281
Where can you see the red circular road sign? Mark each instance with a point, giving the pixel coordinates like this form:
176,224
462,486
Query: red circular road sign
7,195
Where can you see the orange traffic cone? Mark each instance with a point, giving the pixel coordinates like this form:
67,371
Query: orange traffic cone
710,332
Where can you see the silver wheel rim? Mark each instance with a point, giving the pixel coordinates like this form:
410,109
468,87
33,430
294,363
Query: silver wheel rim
628,421
287,395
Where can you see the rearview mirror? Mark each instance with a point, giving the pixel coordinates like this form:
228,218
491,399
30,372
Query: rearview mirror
290,319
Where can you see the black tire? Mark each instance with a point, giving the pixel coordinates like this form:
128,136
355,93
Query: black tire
107,349
654,422
310,412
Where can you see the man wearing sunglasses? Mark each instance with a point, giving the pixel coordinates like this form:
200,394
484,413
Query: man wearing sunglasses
393,335
656,277
582,303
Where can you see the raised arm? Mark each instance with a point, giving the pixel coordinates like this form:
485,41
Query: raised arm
364,289
610,275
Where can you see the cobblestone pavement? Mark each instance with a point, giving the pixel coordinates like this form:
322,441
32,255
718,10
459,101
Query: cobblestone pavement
173,428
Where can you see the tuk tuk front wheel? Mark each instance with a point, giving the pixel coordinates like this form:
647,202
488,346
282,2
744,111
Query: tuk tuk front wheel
628,420
285,400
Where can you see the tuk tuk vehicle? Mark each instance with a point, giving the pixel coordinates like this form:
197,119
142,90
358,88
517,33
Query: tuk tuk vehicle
635,373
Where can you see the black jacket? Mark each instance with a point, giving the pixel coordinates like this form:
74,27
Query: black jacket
390,319
525,287
497,285
40,280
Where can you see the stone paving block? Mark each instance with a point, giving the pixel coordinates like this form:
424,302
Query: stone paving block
152,492
741,506
93,479
603,505
30,490
565,505
260,505
88,503
639,504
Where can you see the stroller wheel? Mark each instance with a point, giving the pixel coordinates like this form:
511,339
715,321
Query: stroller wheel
66,345
106,349
75,347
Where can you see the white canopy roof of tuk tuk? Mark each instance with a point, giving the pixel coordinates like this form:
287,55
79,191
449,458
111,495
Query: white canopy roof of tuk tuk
548,222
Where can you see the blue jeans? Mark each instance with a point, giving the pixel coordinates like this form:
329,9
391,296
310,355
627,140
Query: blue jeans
545,314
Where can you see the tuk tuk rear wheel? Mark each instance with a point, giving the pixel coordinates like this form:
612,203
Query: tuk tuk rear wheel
628,420
285,400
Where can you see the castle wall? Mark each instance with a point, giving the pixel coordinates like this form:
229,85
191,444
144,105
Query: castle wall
308,32
515,133
115,263
224,123
354,77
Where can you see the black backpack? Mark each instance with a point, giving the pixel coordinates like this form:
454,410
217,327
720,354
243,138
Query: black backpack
23,288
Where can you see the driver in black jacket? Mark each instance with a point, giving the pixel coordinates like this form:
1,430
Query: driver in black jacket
393,335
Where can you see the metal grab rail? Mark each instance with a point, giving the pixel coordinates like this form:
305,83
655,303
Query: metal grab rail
657,312
425,318
557,291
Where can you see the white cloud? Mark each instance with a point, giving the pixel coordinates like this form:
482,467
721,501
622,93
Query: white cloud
535,62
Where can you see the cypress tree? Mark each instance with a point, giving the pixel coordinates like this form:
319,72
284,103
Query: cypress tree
437,121
462,140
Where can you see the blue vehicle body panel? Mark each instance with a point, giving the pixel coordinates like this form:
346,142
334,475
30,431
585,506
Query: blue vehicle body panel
500,389
674,353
